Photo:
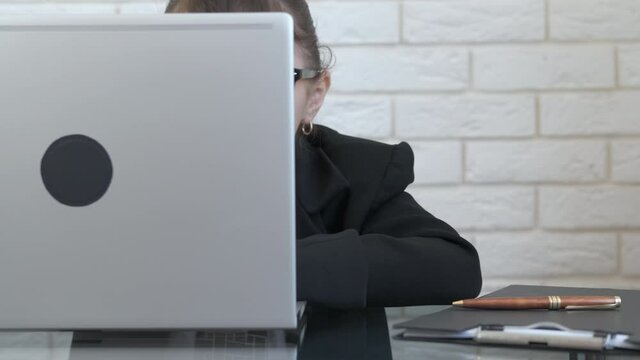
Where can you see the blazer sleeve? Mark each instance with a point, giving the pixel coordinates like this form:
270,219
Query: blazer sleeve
332,270
401,256
413,257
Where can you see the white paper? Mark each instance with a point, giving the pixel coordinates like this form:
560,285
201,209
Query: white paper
42,345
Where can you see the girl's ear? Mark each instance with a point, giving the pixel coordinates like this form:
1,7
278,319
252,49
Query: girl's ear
318,92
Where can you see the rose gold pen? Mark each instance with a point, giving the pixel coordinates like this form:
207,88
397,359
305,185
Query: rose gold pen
543,302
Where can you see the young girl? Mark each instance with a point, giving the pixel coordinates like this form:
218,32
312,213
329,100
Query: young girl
362,240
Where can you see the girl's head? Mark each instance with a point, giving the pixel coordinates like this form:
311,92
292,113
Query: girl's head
309,92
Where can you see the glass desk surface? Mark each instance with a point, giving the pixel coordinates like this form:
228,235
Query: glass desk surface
329,334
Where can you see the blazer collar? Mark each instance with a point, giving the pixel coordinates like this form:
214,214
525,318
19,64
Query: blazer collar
318,180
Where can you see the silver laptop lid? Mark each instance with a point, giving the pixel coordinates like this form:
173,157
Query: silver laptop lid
147,172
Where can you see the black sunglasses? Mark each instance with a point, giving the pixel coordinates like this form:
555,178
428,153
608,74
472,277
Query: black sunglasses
300,74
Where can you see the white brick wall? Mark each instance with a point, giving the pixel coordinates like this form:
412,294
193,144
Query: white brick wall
630,254
473,21
626,161
594,19
629,64
590,113
433,162
366,116
524,116
402,68
543,67
589,207
538,255
482,207
379,26
465,116
536,161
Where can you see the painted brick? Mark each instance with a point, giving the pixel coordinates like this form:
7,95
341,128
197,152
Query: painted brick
629,65
630,254
445,116
536,161
543,67
401,68
473,21
438,162
347,22
589,207
480,208
594,19
357,115
545,254
626,160
590,113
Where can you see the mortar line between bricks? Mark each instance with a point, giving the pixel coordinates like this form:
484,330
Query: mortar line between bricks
619,253
609,159
536,207
506,44
471,81
401,22
506,140
576,229
531,138
565,277
538,117
547,21
572,184
616,66
464,149
480,91
394,127
541,232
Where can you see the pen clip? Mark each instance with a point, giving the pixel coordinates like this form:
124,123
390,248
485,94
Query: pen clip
592,307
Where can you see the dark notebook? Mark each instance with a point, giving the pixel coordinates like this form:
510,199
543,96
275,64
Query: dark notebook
619,328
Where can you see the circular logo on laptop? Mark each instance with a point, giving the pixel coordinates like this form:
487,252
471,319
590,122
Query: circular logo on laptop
76,170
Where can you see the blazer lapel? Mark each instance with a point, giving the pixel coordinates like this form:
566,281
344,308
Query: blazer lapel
318,180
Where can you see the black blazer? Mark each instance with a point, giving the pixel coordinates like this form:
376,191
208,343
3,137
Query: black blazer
362,240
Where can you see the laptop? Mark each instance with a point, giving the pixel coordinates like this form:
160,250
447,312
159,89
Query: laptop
147,172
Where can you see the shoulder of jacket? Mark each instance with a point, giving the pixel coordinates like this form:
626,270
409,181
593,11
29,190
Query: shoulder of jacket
331,140
364,160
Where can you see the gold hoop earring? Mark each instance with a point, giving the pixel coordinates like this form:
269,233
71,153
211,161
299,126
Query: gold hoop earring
307,128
